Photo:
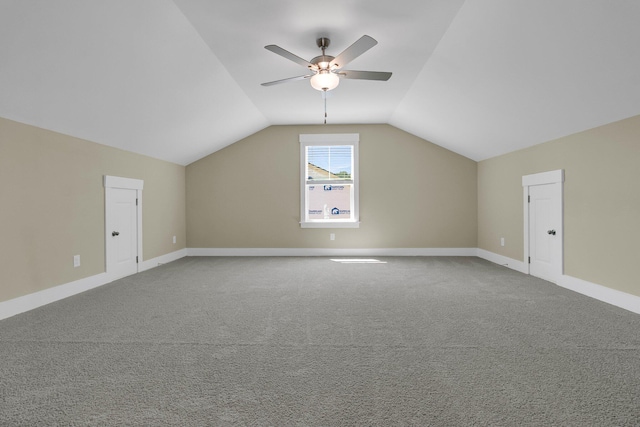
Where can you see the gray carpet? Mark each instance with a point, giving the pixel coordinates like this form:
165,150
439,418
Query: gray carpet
310,342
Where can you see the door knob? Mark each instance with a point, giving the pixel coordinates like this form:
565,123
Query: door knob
115,233
552,232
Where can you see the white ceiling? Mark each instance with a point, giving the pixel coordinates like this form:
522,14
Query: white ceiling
177,80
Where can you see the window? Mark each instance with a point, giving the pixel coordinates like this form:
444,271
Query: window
329,180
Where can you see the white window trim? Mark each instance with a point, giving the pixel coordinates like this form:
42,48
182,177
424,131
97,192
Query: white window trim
330,139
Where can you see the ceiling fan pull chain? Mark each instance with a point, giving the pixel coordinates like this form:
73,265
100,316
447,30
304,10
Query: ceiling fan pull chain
325,107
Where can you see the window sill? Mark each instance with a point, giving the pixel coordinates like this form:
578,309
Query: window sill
335,224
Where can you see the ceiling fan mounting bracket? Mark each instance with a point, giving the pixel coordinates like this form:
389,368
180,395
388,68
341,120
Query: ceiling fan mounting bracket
323,42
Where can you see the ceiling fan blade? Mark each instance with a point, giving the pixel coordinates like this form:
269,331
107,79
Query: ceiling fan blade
290,56
290,79
361,45
364,75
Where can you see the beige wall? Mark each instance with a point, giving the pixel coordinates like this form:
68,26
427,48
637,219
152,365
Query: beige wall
602,202
413,194
52,206
52,200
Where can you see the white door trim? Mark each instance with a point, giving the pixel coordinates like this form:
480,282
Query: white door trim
113,182
551,177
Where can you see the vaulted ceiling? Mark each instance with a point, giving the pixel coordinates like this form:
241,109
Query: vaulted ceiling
178,80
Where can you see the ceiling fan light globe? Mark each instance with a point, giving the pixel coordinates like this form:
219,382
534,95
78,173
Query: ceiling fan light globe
325,81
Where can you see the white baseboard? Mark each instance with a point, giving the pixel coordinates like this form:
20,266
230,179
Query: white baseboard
38,299
331,252
601,293
511,263
163,259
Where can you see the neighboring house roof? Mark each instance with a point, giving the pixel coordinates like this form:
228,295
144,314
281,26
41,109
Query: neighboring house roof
316,172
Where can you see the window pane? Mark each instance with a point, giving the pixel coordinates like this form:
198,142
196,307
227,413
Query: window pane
329,201
333,162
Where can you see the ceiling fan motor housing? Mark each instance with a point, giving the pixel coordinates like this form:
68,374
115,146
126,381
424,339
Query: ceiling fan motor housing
322,61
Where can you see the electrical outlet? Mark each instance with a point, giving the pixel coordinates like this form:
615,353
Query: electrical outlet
502,241
332,236
174,240
76,260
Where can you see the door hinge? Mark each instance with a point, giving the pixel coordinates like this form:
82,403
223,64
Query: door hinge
528,200
136,260
136,202
529,260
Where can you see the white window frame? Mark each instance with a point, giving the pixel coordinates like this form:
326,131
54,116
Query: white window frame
329,139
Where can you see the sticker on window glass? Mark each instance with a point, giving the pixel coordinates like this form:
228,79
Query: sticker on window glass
329,201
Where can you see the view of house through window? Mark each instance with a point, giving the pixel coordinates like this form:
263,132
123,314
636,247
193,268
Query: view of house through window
329,183
329,187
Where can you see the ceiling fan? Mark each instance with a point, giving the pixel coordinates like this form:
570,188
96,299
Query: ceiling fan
326,70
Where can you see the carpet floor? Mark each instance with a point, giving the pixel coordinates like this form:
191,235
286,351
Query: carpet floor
306,341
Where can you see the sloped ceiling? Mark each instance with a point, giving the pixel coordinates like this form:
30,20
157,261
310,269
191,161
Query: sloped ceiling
177,80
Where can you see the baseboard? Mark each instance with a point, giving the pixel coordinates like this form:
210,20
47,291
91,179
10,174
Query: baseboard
331,252
502,260
601,293
47,296
162,259
38,299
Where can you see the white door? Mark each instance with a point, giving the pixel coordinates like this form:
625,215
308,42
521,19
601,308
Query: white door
545,231
122,233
